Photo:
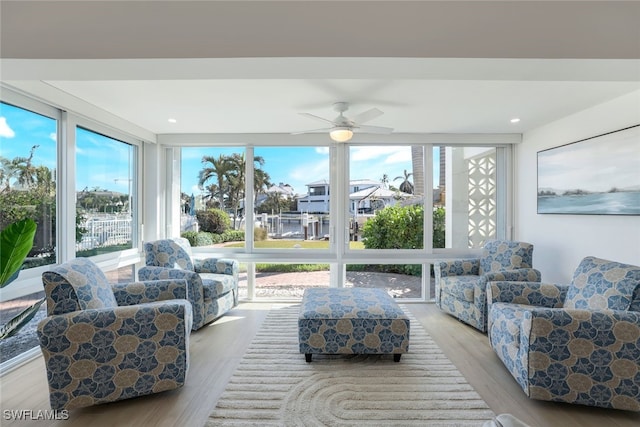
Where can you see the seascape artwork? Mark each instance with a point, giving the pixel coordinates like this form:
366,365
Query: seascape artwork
595,176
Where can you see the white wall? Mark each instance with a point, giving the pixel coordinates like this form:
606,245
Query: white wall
561,241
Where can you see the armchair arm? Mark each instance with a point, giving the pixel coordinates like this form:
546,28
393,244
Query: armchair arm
149,291
530,293
457,267
194,282
216,265
101,355
195,288
515,275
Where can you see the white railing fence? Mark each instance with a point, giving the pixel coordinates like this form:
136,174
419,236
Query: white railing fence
103,231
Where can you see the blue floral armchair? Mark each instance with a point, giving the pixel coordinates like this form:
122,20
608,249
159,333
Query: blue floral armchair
461,284
212,282
576,343
103,343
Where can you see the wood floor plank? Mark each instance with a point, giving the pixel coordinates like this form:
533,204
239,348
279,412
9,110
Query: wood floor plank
217,349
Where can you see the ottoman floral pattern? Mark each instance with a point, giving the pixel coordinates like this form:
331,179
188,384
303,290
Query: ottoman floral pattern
351,321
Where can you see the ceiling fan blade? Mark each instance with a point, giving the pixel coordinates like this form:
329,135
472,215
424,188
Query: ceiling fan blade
311,131
372,129
366,116
313,116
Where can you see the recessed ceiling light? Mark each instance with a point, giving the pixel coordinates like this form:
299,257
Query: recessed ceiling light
515,120
173,121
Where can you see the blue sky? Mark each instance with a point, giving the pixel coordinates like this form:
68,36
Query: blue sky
20,130
298,166
102,161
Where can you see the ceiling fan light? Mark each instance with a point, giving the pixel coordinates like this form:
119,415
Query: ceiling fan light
341,134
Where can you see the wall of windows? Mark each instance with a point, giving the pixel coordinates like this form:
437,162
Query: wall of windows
358,214
77,179
291,208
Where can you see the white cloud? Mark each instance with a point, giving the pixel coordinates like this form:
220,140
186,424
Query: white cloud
322,150
5,129
388,153
53,136
399,157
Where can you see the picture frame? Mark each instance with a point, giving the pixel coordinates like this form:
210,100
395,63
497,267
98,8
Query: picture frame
599,175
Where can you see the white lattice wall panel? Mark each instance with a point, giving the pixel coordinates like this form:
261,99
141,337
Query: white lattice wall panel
482,199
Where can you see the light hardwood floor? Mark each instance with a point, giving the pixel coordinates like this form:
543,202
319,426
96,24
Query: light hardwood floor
217,349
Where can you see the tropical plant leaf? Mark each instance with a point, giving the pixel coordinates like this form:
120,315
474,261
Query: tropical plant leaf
15,243
14,325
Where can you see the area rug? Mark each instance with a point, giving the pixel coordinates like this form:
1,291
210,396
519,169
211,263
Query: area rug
274,386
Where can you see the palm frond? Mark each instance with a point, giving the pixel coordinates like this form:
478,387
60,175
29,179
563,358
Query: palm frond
14,325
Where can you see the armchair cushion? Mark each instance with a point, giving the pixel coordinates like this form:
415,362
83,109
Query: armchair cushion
77,285
601,284
216,285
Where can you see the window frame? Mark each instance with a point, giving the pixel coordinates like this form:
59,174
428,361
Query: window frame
339,254
116,259
30,281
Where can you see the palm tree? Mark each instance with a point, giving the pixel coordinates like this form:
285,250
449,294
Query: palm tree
26,171
385,180
406,186
261,181
7,173
210,197
45,181
237,178
219,169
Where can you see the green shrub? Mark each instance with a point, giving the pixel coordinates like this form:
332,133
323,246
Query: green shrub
290,268
191,236
204,239
213,220
233,236
395,227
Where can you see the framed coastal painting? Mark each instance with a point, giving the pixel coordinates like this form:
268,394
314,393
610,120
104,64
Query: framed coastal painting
594,176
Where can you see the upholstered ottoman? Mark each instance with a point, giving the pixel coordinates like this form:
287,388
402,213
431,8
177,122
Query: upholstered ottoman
351,321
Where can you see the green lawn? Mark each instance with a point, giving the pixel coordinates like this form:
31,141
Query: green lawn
293,244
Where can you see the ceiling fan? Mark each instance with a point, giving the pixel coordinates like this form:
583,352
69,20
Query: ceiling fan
342,127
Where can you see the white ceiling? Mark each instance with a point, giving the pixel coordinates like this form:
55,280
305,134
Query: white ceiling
474,88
